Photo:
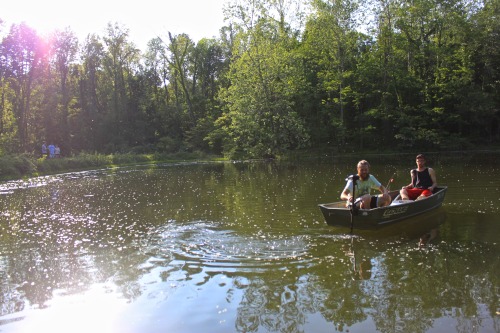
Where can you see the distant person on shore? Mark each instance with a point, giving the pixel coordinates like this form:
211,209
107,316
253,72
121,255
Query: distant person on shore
52,151
44,149
364,184
57,151
423,181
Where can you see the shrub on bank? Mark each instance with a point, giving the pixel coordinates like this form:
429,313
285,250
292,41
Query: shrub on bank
16,166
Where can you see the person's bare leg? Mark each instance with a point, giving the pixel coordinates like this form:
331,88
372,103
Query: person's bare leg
365,201
384,200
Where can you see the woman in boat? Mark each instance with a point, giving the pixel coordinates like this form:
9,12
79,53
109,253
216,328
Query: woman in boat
364,184
423,181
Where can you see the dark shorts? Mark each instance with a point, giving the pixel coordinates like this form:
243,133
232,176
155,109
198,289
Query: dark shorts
373,202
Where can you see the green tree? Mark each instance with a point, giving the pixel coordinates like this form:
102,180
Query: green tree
87,125
155,75
182,77
63,55
484,44
261,119
208,64
355,74
331,45
436,34
23,57
120,65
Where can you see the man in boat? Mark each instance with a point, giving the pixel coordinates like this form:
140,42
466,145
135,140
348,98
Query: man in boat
423,181
364,184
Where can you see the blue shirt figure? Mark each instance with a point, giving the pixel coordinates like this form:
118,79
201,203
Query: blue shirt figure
52,150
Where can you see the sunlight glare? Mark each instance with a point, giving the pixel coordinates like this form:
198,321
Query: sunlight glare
197,18
96,310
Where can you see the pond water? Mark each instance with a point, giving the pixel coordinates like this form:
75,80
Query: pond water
243,247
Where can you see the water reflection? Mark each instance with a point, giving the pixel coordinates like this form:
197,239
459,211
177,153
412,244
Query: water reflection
228,247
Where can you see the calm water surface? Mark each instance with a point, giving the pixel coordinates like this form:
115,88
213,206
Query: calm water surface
243,247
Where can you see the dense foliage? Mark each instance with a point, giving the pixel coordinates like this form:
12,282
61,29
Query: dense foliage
343,74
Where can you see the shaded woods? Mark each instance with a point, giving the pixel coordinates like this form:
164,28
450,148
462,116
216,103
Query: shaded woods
281,76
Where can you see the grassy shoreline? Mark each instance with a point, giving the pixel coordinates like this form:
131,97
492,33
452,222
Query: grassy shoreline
19,166
13,167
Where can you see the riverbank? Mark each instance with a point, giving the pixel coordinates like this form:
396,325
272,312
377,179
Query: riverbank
13,167
25,165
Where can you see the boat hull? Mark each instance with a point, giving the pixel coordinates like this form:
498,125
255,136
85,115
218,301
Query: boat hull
336,214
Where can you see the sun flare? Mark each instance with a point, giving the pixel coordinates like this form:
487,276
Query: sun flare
197,18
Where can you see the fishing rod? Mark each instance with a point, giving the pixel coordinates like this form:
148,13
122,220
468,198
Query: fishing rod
389,182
